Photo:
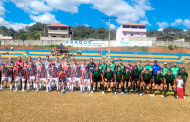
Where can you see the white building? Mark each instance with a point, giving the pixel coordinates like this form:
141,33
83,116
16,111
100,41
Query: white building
130,29
5,37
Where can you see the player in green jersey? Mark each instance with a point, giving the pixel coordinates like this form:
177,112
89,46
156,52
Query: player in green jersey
158,81
140,68
119,80
121,65
112,65
127,78
136,78
175,69
103,65
165,69
168,79
148,66
146,79
108,79
96,76
184,76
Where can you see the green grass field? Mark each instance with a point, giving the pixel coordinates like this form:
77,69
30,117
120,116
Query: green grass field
54,107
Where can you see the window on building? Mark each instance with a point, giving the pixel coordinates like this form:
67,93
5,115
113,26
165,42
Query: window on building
131,34
142,27
53,36
141,34
63,28
137,33
125,34
62,36
126,26
133,26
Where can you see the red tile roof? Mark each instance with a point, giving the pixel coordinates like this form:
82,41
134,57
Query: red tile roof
134,24
58,25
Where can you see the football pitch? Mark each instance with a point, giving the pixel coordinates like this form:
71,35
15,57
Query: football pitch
57,107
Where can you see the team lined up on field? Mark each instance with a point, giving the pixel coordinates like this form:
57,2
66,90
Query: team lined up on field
66,75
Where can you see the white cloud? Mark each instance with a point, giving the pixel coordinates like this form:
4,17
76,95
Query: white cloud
177,22
145,22
162,24
112,26
86,25
184,30
161,29
187,23
16,26
45,18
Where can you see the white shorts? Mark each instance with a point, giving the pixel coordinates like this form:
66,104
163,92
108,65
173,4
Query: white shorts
48,76
31,78
53,79
42,79
6,78
86,80
19,78
68,79
77,80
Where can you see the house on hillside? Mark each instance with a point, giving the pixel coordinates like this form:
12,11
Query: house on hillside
5,37
58,32
130,30
166,38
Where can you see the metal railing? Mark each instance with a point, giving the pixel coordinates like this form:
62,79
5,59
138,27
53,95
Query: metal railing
58,31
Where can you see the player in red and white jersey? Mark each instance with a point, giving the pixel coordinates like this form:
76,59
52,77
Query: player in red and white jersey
76,78
48,65
64,65
19,73
68,73
74,65
57,63
38,63
86,78
42,75
32,71
6,76
53,72
82,66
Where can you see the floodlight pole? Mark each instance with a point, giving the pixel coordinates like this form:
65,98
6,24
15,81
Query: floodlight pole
109,44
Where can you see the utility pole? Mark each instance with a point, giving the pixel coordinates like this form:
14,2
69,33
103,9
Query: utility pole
109,36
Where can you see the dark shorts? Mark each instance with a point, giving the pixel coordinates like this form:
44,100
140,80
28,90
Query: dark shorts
147,82
118,80
96,79
135,79
62,80
158,82
127,80
171,83
109,80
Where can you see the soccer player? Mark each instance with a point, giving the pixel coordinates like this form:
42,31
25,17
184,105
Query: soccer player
10,64
26,64
140,68
74,65
165,69
184,76
136,78
54,72
91,66
168,79
86,78
103,65
148,66
57,63
19,73
109,79
180,83
68,72
64,65
32,71
38,63
121,65
62,79
127,78
175,69
112,65
129,66
146,80
48,65
21,63
82,66
6,76
155,67
119,80
77,78
96,76
158,81
42,76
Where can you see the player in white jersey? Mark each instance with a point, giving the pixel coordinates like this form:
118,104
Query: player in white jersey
57,63
54,72
86,78
48,65
68,73
6,76
64,65
37,64
82,66
42,76
76,78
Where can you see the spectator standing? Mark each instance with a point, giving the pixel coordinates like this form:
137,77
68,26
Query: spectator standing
11,48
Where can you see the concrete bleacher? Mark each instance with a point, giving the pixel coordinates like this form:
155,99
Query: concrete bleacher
87,54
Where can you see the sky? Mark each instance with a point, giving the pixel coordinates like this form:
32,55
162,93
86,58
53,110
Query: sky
156,14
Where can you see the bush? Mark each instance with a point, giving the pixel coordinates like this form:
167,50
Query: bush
143,49
170,47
